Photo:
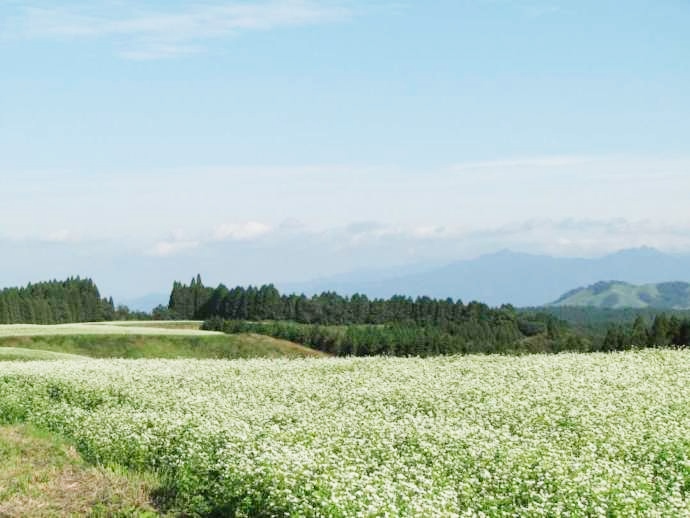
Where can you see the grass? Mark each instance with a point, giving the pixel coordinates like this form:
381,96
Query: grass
206,346
42,476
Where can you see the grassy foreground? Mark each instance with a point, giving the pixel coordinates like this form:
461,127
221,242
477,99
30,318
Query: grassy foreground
41,476
560,435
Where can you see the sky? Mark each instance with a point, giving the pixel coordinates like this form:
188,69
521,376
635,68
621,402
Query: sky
283,140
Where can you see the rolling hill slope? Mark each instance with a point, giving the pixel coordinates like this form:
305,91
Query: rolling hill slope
617,294
140,340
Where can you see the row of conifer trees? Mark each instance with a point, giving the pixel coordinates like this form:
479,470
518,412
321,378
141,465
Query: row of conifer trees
55,302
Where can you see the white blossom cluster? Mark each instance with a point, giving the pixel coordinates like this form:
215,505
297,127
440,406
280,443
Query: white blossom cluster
560,435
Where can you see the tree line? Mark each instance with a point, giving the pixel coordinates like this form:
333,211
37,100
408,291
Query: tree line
468,337
358,325
199,302
403,339
422,326
55,302
664,331
597,321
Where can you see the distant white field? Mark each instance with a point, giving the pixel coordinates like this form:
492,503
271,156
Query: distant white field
99,328
151,323
19,353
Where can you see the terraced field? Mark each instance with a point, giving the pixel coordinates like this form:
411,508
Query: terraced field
140,340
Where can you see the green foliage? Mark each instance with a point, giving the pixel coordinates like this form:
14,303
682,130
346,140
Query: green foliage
55,302
186,301
407,339
659,333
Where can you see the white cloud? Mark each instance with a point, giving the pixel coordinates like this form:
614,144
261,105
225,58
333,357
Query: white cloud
564,237
631,169
241,231
149,34
367,232
525,162
159,51
582,237
61,236
435,232
434,210
168,248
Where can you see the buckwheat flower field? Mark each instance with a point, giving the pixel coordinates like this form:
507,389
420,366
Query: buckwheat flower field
570,434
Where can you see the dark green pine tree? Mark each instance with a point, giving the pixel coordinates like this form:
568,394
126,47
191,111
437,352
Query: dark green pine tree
659,334
639,335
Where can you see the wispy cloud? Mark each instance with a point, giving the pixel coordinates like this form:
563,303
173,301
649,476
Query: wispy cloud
141,33
179,241
379,243
168,248
614,170
240,231
573,237
526,162
61,236
562,237
365,233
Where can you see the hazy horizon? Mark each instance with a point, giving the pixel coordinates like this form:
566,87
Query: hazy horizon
368,280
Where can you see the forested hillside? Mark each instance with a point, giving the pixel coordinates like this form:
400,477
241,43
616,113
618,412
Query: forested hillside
362,326
55,302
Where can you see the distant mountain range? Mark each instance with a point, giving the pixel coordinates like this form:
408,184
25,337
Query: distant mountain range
616,294
509,277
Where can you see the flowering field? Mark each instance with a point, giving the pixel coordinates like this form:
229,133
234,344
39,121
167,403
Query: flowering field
597,435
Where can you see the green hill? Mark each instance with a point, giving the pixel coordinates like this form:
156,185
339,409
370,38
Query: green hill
616,294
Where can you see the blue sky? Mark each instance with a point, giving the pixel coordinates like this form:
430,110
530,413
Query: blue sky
282,140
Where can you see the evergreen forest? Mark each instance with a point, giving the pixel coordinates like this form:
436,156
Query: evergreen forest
55,302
